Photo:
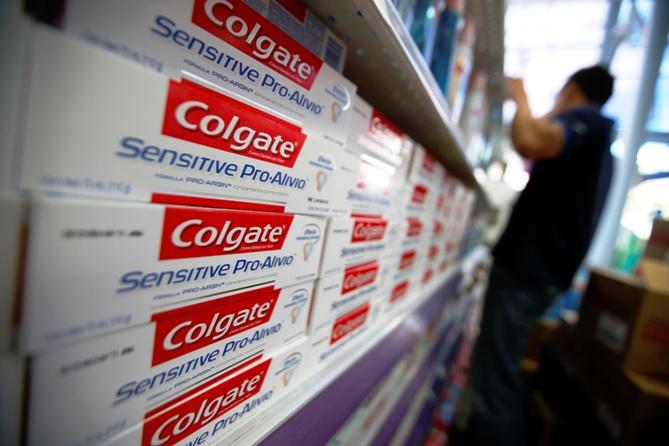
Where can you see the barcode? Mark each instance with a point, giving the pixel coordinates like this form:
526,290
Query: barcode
333,53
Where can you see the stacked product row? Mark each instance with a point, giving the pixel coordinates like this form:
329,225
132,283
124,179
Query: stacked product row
209,226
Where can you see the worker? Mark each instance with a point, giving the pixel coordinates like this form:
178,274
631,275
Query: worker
544,243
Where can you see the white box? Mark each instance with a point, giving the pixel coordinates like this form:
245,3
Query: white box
94,268
296,20
418,199
385,155
227,43
99,125
337,294
352,240
112,380
205,414
424,168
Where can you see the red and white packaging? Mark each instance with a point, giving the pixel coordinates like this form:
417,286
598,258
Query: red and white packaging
385,155
227,43
132,134
337,294
163,359
424,168
205,411
418,199
351,240
97,267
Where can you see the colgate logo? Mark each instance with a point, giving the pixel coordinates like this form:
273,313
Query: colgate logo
427,275
385,132
399,291
429,162
419,194
437,227
193,411
196,114
349,322
415,227
184,330
358,276
240,26
406,260
367,230
433,251
200,232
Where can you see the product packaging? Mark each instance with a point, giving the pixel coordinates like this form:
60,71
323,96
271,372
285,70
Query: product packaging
96,267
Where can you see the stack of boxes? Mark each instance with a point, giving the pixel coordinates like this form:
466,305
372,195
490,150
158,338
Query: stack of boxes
208,229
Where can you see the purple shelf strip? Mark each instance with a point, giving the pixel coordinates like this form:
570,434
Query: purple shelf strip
318,421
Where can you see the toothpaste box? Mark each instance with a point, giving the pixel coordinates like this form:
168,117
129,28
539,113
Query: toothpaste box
119,263
424,167
337,294
158,361
130,133
418,199
204,412
385,156
355,239
293,18
227,43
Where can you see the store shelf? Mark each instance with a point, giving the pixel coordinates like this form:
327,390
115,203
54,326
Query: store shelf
391,74
314,411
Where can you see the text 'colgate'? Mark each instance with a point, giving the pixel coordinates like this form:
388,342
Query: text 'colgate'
358,276
183,330
164,425
196,114
367,230
200,232
385,132
349,322
240,26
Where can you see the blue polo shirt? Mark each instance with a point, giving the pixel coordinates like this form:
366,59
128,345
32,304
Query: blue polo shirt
555,217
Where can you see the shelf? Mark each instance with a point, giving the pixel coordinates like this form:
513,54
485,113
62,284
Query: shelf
391,74
314,411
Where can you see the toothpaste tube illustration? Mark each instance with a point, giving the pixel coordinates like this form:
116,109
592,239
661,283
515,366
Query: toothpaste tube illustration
120,263
229,44
204,411
165,136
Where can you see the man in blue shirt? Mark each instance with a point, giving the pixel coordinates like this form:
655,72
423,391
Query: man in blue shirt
545,241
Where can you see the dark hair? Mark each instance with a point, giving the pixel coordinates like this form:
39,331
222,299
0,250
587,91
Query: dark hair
595,82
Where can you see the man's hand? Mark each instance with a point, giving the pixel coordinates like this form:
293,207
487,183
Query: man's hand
515,89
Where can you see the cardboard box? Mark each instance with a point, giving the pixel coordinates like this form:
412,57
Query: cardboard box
625,319
418,199
132,134
385,155
118,375
205,413
118,263
424,167
228,44
657,246
355,239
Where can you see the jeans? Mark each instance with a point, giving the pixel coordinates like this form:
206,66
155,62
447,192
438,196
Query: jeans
511,307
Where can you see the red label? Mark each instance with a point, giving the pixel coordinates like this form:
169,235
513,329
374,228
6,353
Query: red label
419,194
441,201
427,275
184,330
415,227
358,276
196,114
399,291
407,258
240,26
200,232
437,227
385,132
657,332
429,162
349,322
367,230
433,251
179,418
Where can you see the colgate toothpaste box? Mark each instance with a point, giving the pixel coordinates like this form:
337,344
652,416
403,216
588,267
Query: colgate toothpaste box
355,239
424,167
418,199
385,154
227,43
96,267
204,411
337,294
131,134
